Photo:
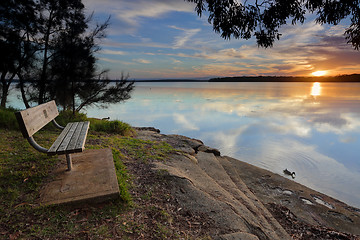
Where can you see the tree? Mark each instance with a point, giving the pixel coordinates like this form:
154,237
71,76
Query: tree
56,17
16,30
76,82
101,92
262,19
48,43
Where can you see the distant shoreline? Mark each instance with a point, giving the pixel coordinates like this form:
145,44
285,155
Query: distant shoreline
342,78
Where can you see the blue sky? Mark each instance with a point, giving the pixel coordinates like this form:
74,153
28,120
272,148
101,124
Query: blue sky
158,39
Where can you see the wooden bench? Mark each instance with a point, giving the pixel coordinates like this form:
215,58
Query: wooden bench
71,139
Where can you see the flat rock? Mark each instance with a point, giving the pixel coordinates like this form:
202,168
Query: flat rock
309,206
237,236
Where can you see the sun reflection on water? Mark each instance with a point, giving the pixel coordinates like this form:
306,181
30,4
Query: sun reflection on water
316,89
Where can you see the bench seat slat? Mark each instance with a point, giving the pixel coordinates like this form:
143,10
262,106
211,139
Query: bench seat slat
52,150
75,137
63,146
81,141
73,140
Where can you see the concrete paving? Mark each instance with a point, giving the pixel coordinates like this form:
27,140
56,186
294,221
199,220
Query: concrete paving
92,179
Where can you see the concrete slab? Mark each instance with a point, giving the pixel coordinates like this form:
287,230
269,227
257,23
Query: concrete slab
92,179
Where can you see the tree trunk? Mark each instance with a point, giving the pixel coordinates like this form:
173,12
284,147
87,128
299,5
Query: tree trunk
5,89
22,90
5,92
73,97
43,77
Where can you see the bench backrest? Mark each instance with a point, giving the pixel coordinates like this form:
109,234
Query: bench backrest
33,119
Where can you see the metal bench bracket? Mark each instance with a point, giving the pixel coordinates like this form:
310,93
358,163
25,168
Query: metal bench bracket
36,145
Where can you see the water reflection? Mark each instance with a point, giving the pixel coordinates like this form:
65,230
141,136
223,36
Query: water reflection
316,89
271,125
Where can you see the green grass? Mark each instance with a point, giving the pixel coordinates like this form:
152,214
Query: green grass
22,168
122,177
132,148
142,150
116,127
127,148
23,171
8,119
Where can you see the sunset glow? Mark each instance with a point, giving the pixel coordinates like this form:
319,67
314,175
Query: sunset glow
319,73
167,39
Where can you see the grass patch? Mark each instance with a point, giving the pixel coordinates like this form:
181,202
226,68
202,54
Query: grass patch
23,170
142,150
131,148
122,177
8,119
115,127
98,125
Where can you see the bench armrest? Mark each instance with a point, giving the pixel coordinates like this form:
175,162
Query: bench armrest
36,145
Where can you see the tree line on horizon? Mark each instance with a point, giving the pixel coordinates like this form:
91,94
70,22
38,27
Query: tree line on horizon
340,78
51,44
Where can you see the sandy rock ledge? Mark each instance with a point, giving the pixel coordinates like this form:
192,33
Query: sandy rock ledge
247,202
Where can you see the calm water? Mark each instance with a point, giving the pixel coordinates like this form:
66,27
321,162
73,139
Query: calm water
312,129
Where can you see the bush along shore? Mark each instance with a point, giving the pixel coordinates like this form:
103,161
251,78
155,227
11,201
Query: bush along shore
171,187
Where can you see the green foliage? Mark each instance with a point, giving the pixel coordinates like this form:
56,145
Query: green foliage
122,176
8,119
116,127
263,19
67,116
51,44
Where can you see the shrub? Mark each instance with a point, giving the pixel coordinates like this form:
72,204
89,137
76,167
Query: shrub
115,126
67,116
8,119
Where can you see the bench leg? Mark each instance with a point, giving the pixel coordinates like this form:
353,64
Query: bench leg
69,163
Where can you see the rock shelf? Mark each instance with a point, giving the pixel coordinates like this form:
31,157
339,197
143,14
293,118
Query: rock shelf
247,202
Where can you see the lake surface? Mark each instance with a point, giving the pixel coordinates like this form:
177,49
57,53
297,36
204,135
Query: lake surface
310,128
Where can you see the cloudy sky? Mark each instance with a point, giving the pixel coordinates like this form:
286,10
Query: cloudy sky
157,39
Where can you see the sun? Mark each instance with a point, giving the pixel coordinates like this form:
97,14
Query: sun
319,73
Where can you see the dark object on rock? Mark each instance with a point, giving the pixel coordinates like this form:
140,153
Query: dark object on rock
152,129
107,118
207,149
287,172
